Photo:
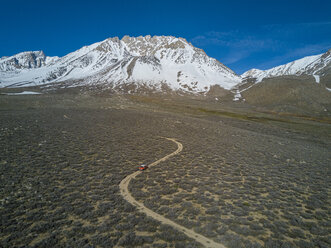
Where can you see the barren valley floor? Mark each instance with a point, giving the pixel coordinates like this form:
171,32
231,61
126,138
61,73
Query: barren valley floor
241,180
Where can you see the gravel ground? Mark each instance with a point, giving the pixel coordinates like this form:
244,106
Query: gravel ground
242,183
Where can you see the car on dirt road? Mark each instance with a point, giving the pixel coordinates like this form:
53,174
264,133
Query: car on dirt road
143,167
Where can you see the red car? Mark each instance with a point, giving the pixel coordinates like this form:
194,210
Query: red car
143,167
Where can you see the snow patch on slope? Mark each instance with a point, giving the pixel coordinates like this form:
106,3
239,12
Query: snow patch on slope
237,96
23,93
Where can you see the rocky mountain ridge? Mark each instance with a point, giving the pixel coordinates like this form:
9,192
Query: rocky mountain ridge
25,60
316,65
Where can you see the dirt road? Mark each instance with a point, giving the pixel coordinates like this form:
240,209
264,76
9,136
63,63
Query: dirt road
141,207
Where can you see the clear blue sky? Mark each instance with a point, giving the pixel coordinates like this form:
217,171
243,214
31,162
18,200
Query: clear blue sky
240,34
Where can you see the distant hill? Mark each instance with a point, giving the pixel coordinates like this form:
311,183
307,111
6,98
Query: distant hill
302,86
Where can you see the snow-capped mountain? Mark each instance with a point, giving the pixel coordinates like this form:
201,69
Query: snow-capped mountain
154,62
316,65
25,60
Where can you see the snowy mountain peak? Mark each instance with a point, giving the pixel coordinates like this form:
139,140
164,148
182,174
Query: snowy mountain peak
310,65
24,60
143,61
148,46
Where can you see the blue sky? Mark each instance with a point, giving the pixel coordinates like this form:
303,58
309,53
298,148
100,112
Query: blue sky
240,34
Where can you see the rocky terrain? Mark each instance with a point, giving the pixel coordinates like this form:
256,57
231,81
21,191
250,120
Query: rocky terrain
244,178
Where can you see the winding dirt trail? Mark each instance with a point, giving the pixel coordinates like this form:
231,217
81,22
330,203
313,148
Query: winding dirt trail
141,207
